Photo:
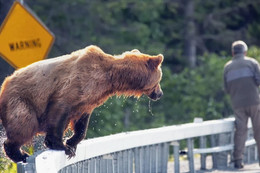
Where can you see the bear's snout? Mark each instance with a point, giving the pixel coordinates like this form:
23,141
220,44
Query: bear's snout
156,95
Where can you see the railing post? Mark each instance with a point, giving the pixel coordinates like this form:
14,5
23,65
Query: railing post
120,161
190,155
165,157
130,161
249,150
220,160
213,143
176,149
146,159
255,153
107,163
138,160
20,167
153,159
203,143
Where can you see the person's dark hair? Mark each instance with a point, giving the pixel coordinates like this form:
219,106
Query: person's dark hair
239,47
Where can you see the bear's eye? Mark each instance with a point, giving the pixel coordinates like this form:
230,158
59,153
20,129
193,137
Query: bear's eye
151,89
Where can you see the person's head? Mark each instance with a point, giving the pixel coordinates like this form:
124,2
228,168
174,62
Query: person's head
239,47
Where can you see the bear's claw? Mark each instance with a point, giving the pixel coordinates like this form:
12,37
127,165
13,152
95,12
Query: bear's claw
25,156
70,151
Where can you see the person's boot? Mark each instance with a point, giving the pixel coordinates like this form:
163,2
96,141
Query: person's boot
238,164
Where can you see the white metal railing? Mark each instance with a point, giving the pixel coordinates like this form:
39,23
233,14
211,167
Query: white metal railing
137,151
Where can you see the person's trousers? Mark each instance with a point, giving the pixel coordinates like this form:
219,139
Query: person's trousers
241,120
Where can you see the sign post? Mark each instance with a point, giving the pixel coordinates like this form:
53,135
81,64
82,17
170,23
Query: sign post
24,39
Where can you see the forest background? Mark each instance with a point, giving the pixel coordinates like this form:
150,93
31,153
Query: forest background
195,37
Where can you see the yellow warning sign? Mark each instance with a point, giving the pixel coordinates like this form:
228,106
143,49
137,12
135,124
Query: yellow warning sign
23,38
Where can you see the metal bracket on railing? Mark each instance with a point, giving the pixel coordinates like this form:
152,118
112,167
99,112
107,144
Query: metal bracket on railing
108,157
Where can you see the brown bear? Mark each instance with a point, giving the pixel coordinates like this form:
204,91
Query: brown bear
47,96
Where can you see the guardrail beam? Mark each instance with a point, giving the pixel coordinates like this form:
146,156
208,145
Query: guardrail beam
138,151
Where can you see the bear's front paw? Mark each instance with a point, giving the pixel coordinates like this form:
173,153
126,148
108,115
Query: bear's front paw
24,157
70,151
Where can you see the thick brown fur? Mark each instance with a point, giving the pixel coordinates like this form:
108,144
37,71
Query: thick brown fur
48,95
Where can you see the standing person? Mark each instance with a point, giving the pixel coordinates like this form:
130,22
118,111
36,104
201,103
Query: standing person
241,81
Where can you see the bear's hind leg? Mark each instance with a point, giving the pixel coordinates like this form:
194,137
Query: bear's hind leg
20,127
12,150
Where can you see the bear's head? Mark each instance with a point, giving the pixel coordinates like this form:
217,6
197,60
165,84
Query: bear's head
143,74
153,89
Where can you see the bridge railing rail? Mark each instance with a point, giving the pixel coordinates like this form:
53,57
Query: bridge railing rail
143,151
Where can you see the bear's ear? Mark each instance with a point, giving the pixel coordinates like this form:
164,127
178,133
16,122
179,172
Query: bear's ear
155,61
135,50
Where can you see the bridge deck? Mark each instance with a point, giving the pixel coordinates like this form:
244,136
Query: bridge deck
184,167
249,168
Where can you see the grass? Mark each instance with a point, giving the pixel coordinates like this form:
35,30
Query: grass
7,166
